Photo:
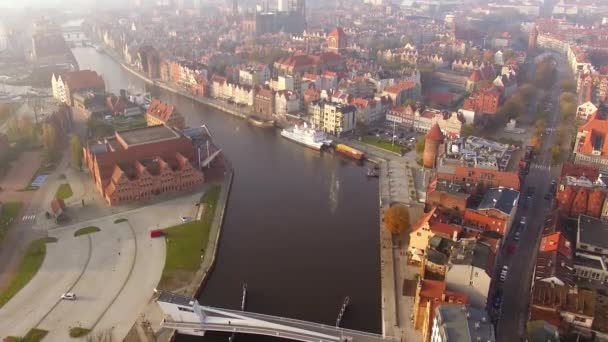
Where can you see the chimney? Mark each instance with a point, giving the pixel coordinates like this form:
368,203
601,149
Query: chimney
455,235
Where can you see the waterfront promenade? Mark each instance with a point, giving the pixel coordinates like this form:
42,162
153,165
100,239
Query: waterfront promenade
396,185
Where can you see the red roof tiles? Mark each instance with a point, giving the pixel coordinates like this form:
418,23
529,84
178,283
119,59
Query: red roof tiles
435,133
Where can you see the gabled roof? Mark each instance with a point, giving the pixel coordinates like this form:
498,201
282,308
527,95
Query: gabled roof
337,32
82,79
160,110
475,76
563,298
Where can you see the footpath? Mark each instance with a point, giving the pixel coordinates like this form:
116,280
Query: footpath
396,185
148,326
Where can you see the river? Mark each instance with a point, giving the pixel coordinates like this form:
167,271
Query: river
301,227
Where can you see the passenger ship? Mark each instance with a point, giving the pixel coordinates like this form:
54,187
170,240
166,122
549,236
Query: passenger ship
306,136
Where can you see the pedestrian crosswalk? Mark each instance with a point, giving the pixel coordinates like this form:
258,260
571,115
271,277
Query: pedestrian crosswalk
28,218
540,166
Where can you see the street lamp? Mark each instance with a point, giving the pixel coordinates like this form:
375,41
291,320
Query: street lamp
393,137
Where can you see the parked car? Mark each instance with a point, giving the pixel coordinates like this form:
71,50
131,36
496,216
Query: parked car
68,296
185,219
154,233
497,300
503,273
516,236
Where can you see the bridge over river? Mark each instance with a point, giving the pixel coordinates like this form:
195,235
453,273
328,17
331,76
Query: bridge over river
187,316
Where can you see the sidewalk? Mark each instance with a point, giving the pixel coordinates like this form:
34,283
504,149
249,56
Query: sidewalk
148,325
396,184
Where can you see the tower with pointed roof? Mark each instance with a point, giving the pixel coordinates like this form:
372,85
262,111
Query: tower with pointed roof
433,139
336,41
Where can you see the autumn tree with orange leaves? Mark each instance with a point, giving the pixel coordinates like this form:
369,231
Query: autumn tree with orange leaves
397,219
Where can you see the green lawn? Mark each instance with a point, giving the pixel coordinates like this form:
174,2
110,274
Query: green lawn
34,335
64,191
86,230
34,256
10,210
186,243
373,141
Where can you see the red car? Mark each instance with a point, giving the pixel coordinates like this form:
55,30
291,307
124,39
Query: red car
156,233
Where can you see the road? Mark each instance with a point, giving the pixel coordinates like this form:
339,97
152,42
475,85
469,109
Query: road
113,273
516,288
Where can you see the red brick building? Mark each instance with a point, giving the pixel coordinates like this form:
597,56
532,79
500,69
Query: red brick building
336,41
141,163
433,139
485,101
301,63
578,193
496,211
263,102
450,191
160,113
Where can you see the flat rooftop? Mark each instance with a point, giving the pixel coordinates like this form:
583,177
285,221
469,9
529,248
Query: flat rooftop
147,135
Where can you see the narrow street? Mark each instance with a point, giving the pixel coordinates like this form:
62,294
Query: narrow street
516,288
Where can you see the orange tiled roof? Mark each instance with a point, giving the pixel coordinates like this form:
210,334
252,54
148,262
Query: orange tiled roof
556,242
395,88
82,79
475,76
160,110
596,128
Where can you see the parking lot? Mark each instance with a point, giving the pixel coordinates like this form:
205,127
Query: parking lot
386,132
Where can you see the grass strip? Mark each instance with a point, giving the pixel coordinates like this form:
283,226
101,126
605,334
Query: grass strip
32,260
187,242
64,191
86,230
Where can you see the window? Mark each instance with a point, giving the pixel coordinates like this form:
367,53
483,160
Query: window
184,309
579,319
597,250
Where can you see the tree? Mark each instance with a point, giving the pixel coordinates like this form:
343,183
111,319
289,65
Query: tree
420,145
556,154
397,219
468,130
545,74
568,86
49,142
76,150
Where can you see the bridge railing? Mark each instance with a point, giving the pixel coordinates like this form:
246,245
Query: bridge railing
303,323
236,328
